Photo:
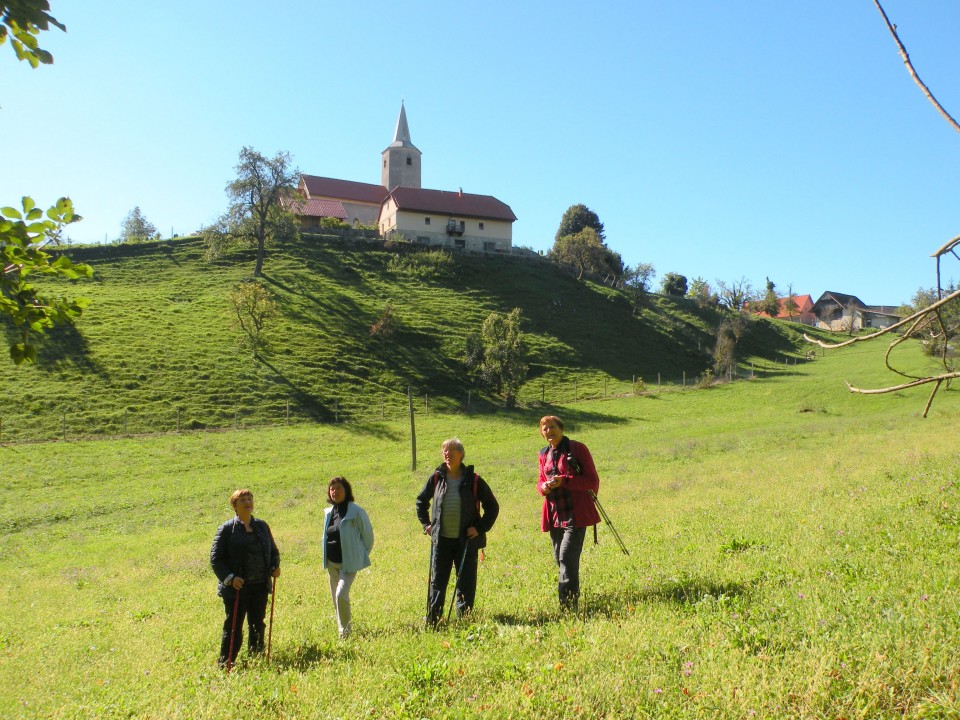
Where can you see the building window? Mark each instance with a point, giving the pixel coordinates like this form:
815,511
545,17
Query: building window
409,161
489,246
426,221
423,239
481,226
384,162
459,243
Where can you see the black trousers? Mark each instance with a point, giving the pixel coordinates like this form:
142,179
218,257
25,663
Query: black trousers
448,553
253,606
567,546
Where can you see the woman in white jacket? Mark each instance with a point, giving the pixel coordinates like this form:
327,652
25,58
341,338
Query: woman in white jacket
347,542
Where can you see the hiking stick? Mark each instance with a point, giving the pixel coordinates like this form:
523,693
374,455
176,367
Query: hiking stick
233,628
606,519
273,600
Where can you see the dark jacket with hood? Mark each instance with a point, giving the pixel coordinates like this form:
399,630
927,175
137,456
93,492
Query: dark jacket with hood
227,554
434,490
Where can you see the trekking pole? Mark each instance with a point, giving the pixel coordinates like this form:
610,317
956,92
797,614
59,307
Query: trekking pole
606,519
456,585
273,600
233,628
426,618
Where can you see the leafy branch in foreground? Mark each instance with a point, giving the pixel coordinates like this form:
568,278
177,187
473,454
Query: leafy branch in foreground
22,21
23,237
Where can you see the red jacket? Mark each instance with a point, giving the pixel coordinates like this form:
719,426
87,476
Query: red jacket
584,511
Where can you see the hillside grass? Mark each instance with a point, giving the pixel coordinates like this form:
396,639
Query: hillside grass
156,349
793,554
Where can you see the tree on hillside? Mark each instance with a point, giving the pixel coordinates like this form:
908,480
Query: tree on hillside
789,304
22,21
636,281
701,291
770,303
136,228
674,284
497,354
729,334
734,295
577,218
256,215
26,234
253,307
586,252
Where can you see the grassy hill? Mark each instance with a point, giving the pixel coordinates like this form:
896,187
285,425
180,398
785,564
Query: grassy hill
157,345
793,555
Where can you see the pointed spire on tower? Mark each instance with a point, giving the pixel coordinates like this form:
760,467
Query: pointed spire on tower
401,159
401,137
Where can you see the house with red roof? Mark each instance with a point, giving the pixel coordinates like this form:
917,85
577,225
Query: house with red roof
801,311
400,206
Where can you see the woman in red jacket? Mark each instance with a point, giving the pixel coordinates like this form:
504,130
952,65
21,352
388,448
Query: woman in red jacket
567,479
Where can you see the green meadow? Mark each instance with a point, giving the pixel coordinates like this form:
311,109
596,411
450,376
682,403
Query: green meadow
157,348
793,555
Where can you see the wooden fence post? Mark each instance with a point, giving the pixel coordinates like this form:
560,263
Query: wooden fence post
413,432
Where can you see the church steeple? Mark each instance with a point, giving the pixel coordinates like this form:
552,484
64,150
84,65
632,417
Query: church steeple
401,159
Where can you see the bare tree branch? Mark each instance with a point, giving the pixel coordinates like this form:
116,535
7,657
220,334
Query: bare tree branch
913,73
862,338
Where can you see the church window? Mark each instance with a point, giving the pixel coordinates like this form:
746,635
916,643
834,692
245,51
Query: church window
409,161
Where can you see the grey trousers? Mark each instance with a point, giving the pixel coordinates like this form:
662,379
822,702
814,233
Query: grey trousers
567,546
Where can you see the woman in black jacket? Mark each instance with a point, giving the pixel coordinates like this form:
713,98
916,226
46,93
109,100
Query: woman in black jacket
244,558
457,529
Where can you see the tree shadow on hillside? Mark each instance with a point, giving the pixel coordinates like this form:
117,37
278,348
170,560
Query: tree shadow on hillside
315,408
319,411
64,345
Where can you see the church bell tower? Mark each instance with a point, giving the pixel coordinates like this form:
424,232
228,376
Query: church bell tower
401,159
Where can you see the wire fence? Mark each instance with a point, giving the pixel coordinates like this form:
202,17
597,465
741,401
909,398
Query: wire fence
75,422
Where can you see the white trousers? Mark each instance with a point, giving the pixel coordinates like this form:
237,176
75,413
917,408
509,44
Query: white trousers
340,583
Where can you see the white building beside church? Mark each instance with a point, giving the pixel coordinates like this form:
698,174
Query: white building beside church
400,205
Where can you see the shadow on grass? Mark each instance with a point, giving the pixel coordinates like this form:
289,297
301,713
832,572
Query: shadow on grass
64,345
304,657
691,590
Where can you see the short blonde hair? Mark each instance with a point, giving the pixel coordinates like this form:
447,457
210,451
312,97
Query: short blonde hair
453,443
237,494
548,418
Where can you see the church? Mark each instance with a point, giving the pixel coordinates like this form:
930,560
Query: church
400,206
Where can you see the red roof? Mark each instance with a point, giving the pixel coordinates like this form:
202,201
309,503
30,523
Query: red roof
344,189
460,204
804,304
319,208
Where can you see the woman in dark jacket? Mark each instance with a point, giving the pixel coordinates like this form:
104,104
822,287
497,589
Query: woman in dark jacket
244,558
457,528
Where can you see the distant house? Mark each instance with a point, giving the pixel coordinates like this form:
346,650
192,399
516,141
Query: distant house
842,312
400,206
802,311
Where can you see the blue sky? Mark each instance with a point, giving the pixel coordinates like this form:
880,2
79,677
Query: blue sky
717,140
